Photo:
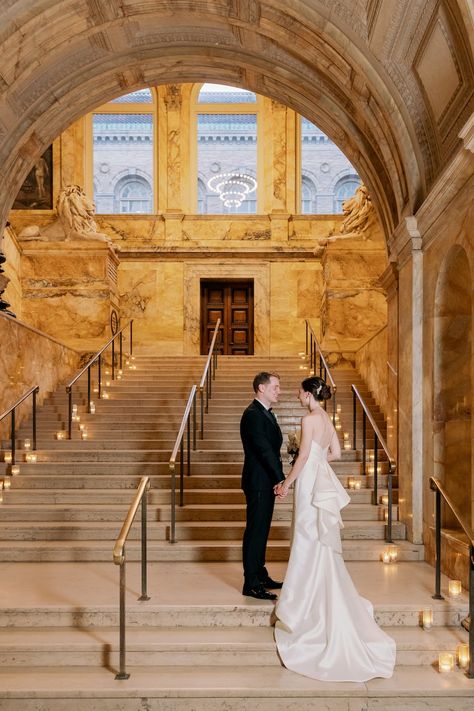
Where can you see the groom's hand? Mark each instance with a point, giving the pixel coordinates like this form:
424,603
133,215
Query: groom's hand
279,491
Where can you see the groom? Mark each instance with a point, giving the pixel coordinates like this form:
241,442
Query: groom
262,440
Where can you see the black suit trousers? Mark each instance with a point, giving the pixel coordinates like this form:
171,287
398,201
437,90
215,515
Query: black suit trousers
260,506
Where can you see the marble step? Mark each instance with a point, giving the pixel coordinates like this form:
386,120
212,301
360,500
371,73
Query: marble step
190,646
186,551
191,512
185,530
32,497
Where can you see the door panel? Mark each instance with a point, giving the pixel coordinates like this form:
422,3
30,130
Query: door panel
232,302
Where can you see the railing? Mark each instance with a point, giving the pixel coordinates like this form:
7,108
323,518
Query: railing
97,358
378,440
313,350
208,375
141,496
12,412
440,493
179,445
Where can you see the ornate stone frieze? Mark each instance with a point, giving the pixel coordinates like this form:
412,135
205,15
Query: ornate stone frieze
173,98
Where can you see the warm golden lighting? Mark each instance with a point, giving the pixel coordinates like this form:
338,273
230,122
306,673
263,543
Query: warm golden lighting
15,470
385,500
351,483
84,434
339,409
27,444
338,426
92,408
385,515
427,618
105,395
357,484
454,588
446,662
107,382
74,410
346,436
31,458
76,418
7,457
96,388
82,426
60,435
393,550
386,557
347,444
463,655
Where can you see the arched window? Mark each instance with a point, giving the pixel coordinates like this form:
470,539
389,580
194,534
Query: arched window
308,196
320,157
133,195
123,144
344,189
226,119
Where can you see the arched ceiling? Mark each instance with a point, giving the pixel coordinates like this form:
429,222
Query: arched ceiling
364,71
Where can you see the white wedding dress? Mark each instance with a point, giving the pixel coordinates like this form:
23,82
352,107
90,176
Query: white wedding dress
325,629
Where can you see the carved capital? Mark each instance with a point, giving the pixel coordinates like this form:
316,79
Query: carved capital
173,98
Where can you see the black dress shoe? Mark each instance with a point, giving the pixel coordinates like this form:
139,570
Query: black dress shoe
271,584
259,592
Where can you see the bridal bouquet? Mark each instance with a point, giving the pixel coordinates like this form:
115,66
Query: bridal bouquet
293,446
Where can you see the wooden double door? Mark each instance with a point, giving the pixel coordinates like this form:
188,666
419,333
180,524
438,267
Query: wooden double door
232,302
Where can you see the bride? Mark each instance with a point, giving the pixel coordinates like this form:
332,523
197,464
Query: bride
324,629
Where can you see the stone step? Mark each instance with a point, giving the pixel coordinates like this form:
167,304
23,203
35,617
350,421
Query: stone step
185,530
191,512
190,646
186,551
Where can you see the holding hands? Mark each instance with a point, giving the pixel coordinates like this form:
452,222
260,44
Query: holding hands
281,490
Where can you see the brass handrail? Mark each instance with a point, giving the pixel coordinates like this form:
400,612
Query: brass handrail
97,358
440,492
313,349
12,412
378,439
208,375
178,445
141,496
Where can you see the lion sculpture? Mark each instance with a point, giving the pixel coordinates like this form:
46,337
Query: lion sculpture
75,219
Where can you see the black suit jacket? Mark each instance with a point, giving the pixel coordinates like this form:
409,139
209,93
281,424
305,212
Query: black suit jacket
262,440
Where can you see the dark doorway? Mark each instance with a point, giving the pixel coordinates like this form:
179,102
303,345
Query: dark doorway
232,302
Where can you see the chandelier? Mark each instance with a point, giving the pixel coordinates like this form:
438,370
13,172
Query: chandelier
232,188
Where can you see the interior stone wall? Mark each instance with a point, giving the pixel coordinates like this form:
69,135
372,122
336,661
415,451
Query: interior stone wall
12,251
371,361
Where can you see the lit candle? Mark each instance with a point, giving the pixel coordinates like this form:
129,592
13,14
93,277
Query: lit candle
120,372
82,426
338,409
31,458
371,455
454,588
15,470
386,557
127,362
133,367
351,483
92,408
6,483
132,357
336,418
107,372
463,655
60,435
385,515
346,436
74,410
119,377
84,434
357,484
105,395
96,388
446,662
393,550
27,444
427,618
76,418
347,444
7,457
107,382
338,426
385,500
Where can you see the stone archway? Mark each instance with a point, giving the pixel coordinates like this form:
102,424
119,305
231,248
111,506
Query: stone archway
453,382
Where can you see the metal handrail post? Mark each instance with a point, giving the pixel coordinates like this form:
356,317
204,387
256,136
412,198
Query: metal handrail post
334,406
364,443
89,390
122,671
306,338
181,474
69,413
188,446
13,435
354,422
99,375
34,417
207,393
131,337
209,377
376,466
194,422
113,360
173,505
437,595
121,350
201,391
390,503
144,595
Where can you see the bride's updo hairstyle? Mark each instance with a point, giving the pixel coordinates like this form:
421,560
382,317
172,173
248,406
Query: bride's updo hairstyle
317,387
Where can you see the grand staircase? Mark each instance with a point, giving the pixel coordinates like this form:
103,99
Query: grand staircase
197,644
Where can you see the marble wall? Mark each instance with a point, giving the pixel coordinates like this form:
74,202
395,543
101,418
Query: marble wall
12,267
371,361
28,358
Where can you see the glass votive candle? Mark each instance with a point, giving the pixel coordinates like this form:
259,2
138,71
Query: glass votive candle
27,444
386,557
357,484
74,410
7,483
462,653
384,500
92,408
7,457
32,458
338,426
96,388
445,662
82,426
336,418
60,435
105,395
427,618
346,436
385,515
84,434
347,444
107,372
393,550
107,382
454,588
15,470
338,409
132,357
120,372
351,483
